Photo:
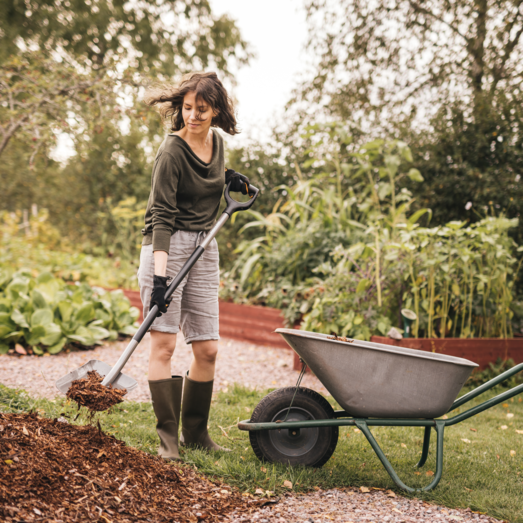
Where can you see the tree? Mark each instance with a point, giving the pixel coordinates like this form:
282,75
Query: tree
166,36
393,58
445,75
37,95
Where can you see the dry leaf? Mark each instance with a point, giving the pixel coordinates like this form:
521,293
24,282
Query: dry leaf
37,512
444,417
20,350
505,405
403,445
474,430
8,461
510,415
497,456
390,494
260,491
429,473
396,510
287,484
519,431
357,431
263,469
468,489
364,489
417,473
465,440
24,430
503,427
512,453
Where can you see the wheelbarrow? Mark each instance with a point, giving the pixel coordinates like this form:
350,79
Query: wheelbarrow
113,375
376,385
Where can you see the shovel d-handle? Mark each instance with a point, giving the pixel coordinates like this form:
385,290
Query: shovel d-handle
232,207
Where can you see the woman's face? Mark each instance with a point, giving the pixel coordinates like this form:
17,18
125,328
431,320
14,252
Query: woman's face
197,114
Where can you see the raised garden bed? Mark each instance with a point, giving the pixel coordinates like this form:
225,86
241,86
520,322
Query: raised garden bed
256,324
479,350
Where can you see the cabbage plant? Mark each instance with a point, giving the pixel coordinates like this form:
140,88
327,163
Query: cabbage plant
46,313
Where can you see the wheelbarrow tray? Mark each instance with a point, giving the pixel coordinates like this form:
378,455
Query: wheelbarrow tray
373,380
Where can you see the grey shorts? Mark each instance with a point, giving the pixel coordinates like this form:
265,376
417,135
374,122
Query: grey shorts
194,305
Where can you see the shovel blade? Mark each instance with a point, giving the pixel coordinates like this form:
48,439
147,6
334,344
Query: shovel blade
122,381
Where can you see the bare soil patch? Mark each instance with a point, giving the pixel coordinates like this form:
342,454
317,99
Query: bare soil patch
54,471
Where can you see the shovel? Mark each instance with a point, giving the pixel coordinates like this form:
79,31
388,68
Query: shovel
113,376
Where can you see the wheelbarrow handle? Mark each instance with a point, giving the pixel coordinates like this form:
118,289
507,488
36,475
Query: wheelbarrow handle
232,207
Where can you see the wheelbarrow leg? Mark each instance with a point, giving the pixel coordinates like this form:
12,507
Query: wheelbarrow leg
440,426
425,452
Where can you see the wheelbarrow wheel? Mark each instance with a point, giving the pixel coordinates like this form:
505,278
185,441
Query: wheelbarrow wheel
310,447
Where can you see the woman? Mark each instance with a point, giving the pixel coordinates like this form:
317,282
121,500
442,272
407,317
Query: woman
187,184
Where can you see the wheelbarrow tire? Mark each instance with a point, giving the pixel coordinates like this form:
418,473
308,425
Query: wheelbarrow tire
309,447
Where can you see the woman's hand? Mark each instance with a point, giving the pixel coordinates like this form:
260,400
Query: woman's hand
158,294
239,182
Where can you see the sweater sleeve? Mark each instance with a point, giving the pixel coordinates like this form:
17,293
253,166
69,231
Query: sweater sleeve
163,208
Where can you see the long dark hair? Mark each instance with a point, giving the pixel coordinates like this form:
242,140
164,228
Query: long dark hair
207,86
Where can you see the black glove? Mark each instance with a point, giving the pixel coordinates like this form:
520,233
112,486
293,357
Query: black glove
239,182
158,294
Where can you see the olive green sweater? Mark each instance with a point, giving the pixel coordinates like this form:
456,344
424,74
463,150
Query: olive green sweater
185,191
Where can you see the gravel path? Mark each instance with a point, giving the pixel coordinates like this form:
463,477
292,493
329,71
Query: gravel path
238,362
351,506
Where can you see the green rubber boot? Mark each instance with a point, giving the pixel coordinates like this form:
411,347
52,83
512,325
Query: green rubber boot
166,396
196,405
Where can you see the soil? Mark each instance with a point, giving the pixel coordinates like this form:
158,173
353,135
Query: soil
89,392
53,471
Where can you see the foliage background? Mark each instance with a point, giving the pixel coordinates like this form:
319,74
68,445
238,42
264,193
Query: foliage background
438,81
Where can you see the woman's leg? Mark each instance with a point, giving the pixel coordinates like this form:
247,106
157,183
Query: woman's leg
203,365
162,349
166,393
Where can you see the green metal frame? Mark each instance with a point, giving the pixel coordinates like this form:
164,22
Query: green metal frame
343,419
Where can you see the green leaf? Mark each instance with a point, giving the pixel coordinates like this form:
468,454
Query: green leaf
55,349
42,317
363,285
36,333
38,299
5,318
4,331
415,175
98,333
13,336
19,319
4,348
37,350
66,309
53,334
83,336
85,314
129,330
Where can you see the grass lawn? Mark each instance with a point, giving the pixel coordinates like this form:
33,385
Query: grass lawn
484,472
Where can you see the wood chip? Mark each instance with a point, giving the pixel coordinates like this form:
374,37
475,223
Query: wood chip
82,467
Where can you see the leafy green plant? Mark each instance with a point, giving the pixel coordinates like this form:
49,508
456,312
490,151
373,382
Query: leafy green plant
45,313
494,370
344,252
35,245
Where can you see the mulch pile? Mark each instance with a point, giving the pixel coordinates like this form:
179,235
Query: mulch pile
57,472
89,392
